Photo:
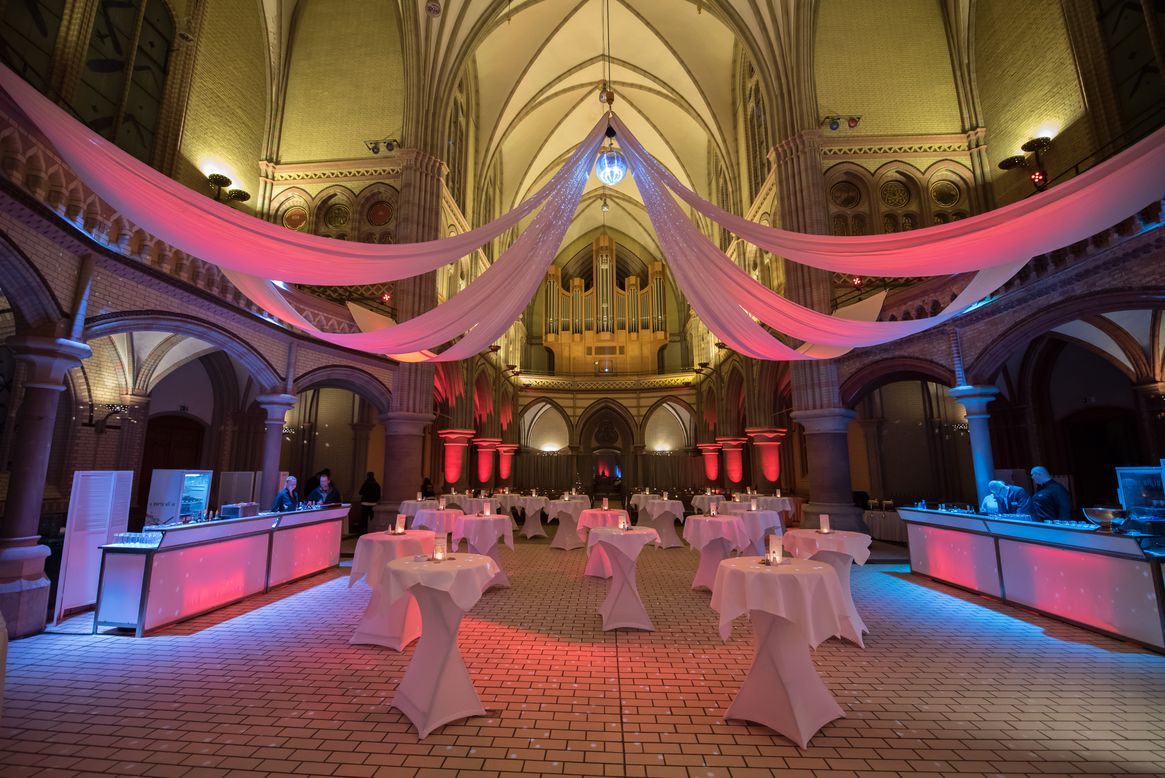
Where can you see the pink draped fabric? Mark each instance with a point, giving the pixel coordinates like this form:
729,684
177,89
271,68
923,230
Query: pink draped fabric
233,240
1074,210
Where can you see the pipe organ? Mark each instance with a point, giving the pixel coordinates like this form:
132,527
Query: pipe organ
606,329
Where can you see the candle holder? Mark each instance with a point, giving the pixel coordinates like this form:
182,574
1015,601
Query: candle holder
440,550
487,510
824,526
399,529
752,504
712,511
778,493
606,505
775,551
665,495
440,503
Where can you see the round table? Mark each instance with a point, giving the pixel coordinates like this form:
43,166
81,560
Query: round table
661,515
715,537
792,606
437,520
566,513
410,507
436,687
532,508
702,502
637,500
839,549
756,523
597,563
392,626
622,607
483,534
470,505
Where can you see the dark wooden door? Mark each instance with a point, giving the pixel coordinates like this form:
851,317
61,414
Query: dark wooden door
172,443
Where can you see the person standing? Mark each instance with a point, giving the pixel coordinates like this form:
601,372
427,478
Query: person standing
1051,501
326,493
369,496
288,498
1006,498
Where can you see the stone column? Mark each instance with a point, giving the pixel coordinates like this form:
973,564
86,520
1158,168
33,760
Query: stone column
418,220
766,443
455,456
733,449
484,472
711,454
974,400
827,445
506,453
276,407
24,588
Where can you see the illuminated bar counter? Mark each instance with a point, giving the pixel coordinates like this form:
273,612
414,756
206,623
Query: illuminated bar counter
1074,572
184,570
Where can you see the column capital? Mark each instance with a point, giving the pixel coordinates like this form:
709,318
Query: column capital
824,420
709,448
405,422
762,436
48,359
486,444
974,399
276,405
455,437
730,444
507,448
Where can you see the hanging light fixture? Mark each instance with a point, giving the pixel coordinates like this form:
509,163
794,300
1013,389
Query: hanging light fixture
611,165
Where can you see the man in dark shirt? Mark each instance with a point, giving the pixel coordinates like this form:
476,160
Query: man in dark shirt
287,499
1008,498
1051,501
326,493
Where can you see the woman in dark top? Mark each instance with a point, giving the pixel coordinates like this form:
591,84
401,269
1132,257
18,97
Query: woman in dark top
287,499
326,493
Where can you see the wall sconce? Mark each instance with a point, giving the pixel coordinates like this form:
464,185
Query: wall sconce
1039,174
220,182
388,144
604,205
834,122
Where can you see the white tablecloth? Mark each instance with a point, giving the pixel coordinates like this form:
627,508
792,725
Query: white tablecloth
376,549
886,525
699,531
464,577
596,517
756,523
533,504
637,500
571,508
661,515
438,521
702,502
483,532
804,592
471,504
508,501
410,507
804,543
657,508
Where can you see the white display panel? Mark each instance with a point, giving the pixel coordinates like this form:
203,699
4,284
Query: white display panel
98,509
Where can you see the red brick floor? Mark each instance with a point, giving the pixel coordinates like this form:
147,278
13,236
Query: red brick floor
949,684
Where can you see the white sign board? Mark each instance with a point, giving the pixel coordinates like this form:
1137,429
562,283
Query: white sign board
98,509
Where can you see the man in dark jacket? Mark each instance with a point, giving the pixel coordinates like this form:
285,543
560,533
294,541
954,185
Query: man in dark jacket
1007,498
1051,501
326,493
287,499
369,496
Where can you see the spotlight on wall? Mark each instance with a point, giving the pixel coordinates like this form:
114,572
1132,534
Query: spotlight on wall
219,182
834,122
1037,147
376,144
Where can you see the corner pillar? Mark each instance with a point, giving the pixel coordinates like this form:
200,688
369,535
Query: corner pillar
974,400
276,406
827,446
24,588
454,448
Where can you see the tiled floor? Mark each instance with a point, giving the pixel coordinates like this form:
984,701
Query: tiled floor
949,684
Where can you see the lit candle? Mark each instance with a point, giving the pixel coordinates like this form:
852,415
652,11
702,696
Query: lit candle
439,549
400,523
778,492
441,503
736,497
606,506
776,550
489,509
712,509
420,496
665,495
825,522
708,490
752,504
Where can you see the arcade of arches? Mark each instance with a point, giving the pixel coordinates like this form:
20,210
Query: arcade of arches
120,352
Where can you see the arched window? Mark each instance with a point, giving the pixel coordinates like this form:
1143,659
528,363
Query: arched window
28,33
756,133
458,140
121,88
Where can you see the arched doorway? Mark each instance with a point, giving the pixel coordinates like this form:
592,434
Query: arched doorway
173,441
606,449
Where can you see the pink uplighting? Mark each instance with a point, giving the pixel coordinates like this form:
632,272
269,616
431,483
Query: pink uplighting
733,458
485,458
711,453
506,460
455,444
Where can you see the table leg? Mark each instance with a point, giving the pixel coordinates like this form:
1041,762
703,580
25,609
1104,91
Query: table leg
666,527
623,608
783,690
501,579
711,556
436,688
392,626
566,536
532,528
851,620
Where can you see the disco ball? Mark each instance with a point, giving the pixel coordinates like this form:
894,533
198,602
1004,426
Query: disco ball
611,166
